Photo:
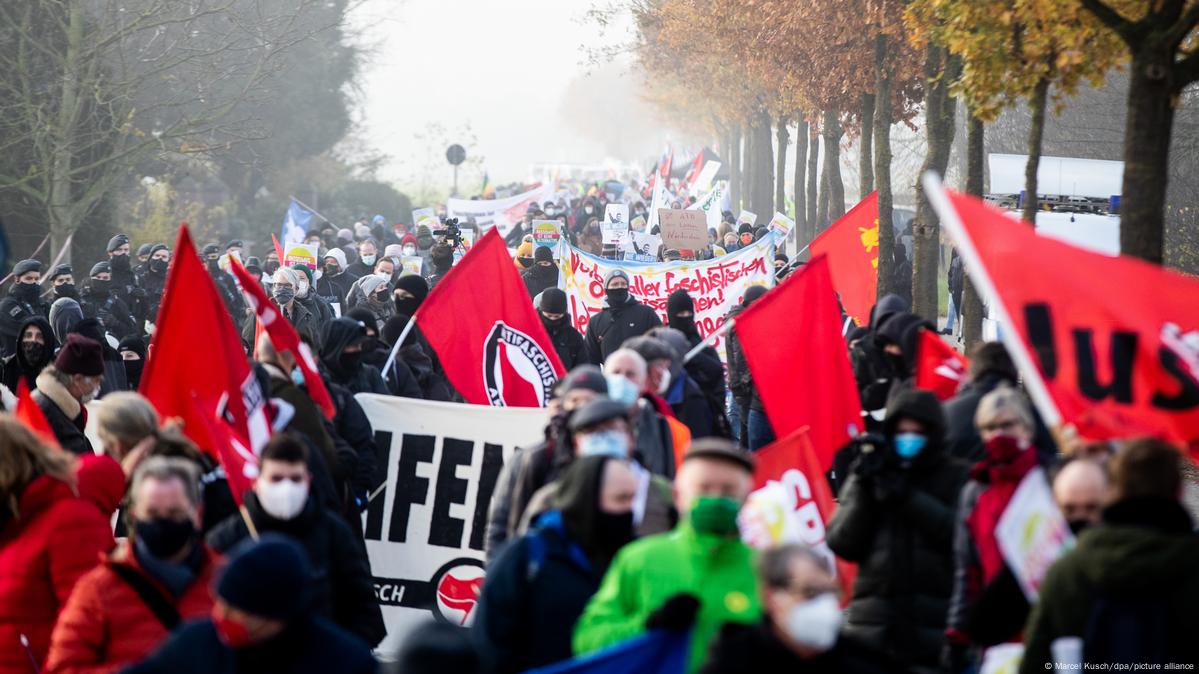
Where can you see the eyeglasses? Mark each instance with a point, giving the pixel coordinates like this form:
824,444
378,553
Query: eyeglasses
999,426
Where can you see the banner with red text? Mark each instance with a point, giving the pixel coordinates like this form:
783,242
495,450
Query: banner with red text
716,286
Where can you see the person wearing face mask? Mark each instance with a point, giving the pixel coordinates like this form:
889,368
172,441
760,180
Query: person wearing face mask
1081,491
66,386
133,354
261,622
283,292
342,354
895,520
748,415
62,281
372,292
745,235
658,437
124,281
669,383
23,300
543,274
524,257
410,292
415,354
987,606
624,317
34,352
696,577
698,392
308,298
568,343
368,254
548,575
272,263
225,284
705,367
120,611
334,284
801,623
102,303
114,367
408,247
898,338
154,280
340,578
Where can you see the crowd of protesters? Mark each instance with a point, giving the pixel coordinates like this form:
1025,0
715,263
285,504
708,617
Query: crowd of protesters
622,520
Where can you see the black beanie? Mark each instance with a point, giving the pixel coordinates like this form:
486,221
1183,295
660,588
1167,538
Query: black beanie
753,294
415,285
543,254
266,577
553,301
745,228
678,301
133,343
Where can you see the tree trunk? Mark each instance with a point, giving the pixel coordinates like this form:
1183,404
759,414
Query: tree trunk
1152,93
1036,132
940,69
972,306
882,168
735,172
822,205
801,204
748,168
865,147
60,198
832,166
780,165
762,191
813,216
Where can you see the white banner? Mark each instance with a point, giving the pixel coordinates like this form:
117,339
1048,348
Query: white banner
716,286
436,470
484,211
711,205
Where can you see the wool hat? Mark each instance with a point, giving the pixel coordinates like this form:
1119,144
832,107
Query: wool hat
266,578
615,273
337,254
415,285
80,355
586,376
679,301
543,254
553,301
393,250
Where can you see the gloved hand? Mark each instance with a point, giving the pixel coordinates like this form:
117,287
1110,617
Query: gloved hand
138,293
676,613
955,657
891,487
872,455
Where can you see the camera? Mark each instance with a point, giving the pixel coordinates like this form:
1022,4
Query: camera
451,235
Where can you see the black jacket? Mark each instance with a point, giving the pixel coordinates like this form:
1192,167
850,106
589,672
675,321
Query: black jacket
690,406
65,414
568,343
301,319
752,649
227,288
310,646
741,380
17,367
333,289
341,588
361,379
13,312
154,285
962,439
609,329
538,278
112,311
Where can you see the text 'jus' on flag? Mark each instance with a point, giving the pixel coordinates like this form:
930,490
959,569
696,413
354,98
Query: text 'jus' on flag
1108,345
792,341
851,244
489,338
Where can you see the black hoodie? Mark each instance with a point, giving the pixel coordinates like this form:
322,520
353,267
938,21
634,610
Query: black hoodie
16,365
346,369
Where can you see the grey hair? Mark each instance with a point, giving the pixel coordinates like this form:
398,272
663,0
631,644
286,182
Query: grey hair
127,417
774,566
624,352
1001,400
165,468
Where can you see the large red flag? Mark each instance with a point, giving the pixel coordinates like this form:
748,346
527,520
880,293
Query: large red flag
1109,345
481,323
197,353
792,341
792,462
939,366
851,244
31,415
238,460
284,337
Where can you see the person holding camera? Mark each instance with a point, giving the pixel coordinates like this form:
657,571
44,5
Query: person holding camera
895,520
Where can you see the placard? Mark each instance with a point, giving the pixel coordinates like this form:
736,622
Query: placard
683,230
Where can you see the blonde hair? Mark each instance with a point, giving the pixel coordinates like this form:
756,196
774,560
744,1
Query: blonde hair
127,418
24,457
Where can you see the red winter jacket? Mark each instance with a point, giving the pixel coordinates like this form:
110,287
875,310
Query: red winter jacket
106,625
58,537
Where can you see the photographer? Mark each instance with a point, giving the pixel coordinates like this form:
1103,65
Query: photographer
895,519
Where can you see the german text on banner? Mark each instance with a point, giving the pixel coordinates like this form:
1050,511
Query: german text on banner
425,526
716,286
1114,341
484,210
851,244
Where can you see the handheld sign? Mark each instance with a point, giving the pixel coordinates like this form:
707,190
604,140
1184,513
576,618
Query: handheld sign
616,223
747,218
683,230
426,217
299,253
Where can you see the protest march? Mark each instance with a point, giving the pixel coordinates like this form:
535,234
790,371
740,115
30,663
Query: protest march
697,412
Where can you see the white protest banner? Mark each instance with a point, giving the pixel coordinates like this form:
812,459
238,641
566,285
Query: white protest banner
716,286
426,217
747,218
484,211
615,226
704,180
656,202
781,225
436,469
1032,533
710,205
683,230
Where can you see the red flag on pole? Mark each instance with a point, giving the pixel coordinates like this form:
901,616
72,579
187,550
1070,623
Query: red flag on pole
31,415
197,353
939,366
278,250
792,462
1109,345
792,341
697,166
481,323
238,460
851,244
284,336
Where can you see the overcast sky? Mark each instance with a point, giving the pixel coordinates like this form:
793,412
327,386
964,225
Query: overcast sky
500,67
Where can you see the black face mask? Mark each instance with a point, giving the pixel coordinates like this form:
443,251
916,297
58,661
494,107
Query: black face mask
369,344
119,263
133,372
684,324
33,352
271,268
158,266
66,290
332,270
546,271
525,262
1077,526
613,531
553,324
617,296
101,287
26,292
350,362
407,305
164,538
214,266
898,365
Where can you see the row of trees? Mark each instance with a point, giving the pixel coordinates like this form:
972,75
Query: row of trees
748,72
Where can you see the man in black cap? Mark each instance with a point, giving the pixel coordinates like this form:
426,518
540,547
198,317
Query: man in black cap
143,256
24,300
624,317
66,386
234,248
154,280
261,623
62,280
543,274
569,344
124,282
101,302
225,284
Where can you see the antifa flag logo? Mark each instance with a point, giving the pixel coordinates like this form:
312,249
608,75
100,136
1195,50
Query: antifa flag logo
516,371
458,586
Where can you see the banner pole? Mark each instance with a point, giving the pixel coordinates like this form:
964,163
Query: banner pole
306,206
395,348
1037,390
712,337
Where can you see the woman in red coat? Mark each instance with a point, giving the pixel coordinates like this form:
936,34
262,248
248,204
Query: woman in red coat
54,525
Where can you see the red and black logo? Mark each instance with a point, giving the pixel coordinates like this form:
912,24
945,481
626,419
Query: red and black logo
458,584
516,371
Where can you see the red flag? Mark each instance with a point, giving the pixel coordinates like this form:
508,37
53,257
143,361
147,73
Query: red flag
1108,344
939,366
31,415
697,165
197,353
792,341
238,460
278,250
851,244
481,323
792,462
284,336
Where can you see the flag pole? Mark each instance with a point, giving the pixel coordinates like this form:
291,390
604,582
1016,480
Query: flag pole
712,337
395,348
939,199
313,210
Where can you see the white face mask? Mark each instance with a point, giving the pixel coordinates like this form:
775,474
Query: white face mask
664,382
815,623
409,250
284,499
605,443
622,390
90,395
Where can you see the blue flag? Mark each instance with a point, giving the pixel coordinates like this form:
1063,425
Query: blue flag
657,652
295,223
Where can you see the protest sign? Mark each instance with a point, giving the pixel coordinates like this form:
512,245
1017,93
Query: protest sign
546,234
300,253
484,211
781,225
436,469
645,244
747,218
637,224
615,226
411,264
683,230
716,286
710,204
426,217
1032,533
